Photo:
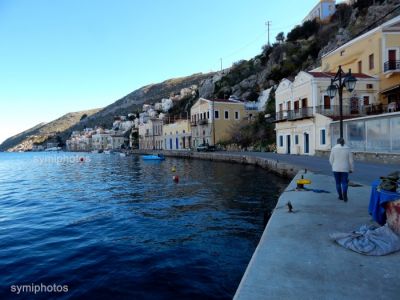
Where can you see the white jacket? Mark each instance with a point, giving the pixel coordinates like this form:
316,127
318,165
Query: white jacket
341,159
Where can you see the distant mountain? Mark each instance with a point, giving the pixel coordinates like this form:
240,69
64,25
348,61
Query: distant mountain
44,131
134,101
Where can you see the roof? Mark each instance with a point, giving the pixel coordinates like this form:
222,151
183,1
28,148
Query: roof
224,100
331,75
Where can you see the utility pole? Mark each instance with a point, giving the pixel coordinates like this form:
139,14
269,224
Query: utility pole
268,24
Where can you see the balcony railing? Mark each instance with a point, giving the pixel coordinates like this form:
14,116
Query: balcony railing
333,111
301,113
203,122
357,111
392,65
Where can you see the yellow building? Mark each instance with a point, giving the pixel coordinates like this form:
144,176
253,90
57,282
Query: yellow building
177,135
376,53
212,120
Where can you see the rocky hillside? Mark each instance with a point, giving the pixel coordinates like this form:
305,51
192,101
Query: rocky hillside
133,102
301,49
42,132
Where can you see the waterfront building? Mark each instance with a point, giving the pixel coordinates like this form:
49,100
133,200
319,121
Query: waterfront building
115,142
100,139
212,120
150,134
177,135
322,11
304,110
376,53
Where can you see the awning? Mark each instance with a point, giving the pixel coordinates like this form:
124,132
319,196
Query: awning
390,89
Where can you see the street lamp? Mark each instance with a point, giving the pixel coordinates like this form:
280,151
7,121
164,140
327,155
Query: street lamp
342,80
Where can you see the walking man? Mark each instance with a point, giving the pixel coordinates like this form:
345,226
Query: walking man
341,160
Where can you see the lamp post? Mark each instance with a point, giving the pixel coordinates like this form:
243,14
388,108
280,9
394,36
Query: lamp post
340,81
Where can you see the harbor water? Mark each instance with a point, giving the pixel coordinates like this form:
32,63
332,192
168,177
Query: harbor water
104,226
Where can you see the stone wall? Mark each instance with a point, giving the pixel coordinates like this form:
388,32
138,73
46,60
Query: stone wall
279,168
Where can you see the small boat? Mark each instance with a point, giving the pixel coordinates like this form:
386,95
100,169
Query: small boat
153,157
122,154
53,149
107,152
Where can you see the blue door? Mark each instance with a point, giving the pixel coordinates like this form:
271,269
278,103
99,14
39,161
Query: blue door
170,144
177,143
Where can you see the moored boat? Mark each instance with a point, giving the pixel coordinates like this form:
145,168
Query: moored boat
153,157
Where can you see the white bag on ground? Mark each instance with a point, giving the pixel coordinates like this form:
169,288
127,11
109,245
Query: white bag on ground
369,240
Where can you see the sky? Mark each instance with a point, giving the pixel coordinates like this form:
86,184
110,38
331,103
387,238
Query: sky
70,55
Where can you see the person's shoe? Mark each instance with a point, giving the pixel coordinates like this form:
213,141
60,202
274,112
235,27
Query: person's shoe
345,197
340,198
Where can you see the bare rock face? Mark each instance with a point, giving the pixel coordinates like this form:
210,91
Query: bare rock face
207,86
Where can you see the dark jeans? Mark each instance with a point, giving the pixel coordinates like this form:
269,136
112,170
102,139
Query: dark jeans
341,179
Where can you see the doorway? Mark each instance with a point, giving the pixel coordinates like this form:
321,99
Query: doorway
288,144
306,143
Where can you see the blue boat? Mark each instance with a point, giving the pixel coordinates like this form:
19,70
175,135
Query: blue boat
153,157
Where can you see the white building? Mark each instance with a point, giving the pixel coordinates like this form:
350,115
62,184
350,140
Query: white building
322,11
304,111
150,134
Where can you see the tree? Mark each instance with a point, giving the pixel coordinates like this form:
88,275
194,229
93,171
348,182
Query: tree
84,116
280,38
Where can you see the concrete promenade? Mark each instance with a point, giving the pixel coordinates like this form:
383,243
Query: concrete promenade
296,259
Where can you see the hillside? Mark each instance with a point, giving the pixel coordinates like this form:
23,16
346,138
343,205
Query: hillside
301,49
133,102
44,131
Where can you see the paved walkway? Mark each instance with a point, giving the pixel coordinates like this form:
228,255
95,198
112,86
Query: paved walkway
296,259
365,172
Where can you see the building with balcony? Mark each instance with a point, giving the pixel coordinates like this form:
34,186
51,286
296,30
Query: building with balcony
100,140
322,11
304,111
376,53
212,120
150,134
177,135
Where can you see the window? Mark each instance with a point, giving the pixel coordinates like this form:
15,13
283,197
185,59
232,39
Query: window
208,115
289,105
366,100
360,66
371,61
296,105
327,102
323,137
281,141
204,115
216,114
226,115
280,107
236,115
296,139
